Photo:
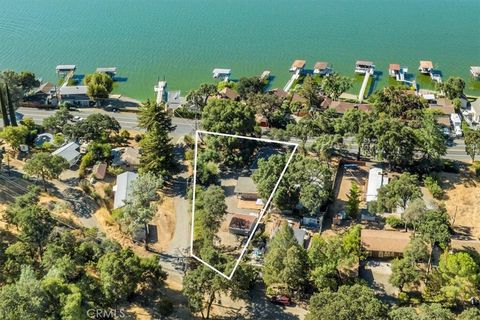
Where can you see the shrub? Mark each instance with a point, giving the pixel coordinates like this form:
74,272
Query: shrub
138,137
108,190
450,166
115,171
395,222
189,154
476,168
434,187
165,306
87,160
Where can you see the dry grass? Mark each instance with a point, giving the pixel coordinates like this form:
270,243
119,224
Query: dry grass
462,203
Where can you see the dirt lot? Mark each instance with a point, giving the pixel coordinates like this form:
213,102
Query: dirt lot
345,178
463,202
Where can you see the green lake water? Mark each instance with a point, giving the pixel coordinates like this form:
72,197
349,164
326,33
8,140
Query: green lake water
183,40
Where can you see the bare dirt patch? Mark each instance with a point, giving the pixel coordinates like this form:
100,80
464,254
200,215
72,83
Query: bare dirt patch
463,203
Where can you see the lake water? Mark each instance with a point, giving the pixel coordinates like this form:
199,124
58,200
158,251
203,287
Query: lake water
183,40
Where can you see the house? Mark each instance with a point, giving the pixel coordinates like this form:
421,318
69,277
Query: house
376,179
363,67
128,157
280,93
69,152
321,68
246,189
300,235
297,66
341,107
228,93
122,188
99,171
384,243
262,121
425,67
263,154
76,95
242,224
475,110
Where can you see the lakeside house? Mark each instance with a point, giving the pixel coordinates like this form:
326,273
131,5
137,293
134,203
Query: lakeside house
376,179
122,188
475,110
341,107
128,158
246,189
242,224
384,243
475,71
76,95
362,66
425,67
228,93
298,66
321,68
69,152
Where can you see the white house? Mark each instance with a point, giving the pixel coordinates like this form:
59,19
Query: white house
69,152
122,188
376,179
475,111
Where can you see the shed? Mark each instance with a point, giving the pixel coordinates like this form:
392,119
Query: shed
246,189
69,152
242,224
363,66
99,171
122,188
393,69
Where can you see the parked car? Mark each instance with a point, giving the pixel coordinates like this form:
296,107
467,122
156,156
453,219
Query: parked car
77,119
281,300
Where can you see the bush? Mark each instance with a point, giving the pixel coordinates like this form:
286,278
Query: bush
189,154
138,137
450,166
434,187
108,190
395,222
476,168
87,160
115,171
165,306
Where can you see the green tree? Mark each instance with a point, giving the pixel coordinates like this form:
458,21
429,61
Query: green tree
96,126
399,192
199,97
45,166
352,121
453,87
271,107
334,85
58,120
414,212
19,83
249,86
397,103
352,207
355,302
157,155
472,143
404,272
99,85
140,208
310,90
295,268
434,228
4,108
15,136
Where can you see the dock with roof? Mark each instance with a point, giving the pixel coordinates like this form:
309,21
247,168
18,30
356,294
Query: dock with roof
475,71
321,68
222,73
65,68
111,71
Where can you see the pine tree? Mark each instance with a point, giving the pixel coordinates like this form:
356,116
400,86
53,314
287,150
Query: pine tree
3,106
10,106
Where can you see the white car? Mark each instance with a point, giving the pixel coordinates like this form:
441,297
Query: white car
77,119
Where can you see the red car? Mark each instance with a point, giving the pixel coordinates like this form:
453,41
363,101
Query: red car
281,300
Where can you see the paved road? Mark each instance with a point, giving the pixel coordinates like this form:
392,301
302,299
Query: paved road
186,126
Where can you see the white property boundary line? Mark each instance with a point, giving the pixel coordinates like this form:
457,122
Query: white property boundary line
262,212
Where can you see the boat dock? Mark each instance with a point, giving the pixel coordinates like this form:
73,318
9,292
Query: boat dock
290,82
436,76
265,75
111,71
222,73
161,90
361,95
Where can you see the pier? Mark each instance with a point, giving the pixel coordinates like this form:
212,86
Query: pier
290,82
161,90
222,73
361,95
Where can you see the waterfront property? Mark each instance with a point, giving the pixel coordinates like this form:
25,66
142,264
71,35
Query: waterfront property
475,71
425,67
75,94
321,68
363,67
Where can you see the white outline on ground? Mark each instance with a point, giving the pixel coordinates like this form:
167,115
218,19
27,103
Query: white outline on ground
262,212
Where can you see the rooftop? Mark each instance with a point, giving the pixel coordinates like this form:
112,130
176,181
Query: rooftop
320,65
222,71
376,180
106,70
68,151
73,90
299,64
66,67
242,221
229,93
426,64
245,185
383,240
99,170
342,106
394,67
122,188
45,87
475,70
299,235
364,63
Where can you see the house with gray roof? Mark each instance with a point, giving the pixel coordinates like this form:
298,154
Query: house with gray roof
122,188
69,152
246,189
